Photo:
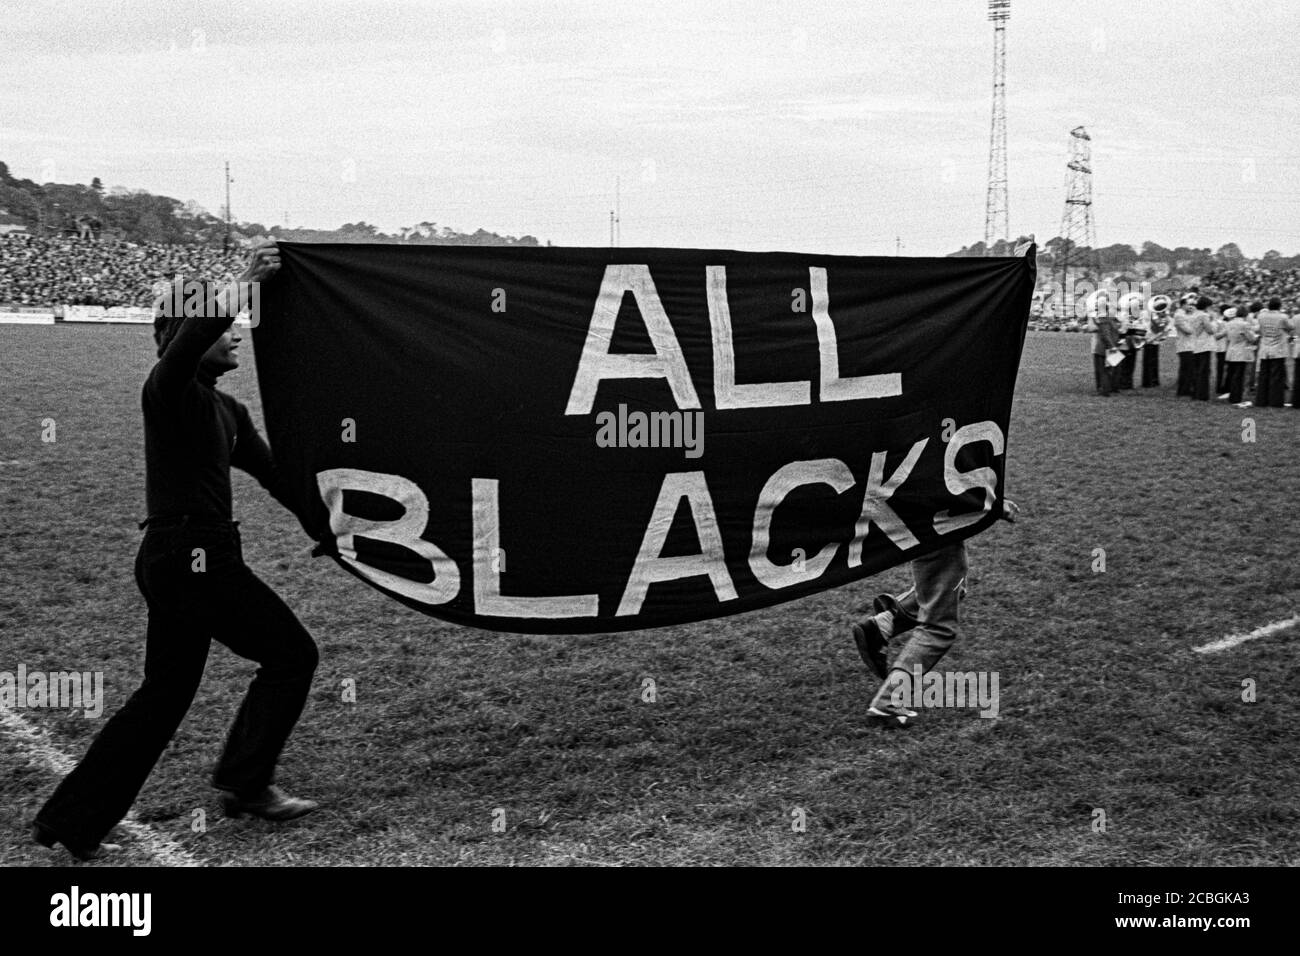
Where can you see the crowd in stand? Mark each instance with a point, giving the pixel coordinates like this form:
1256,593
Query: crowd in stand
1250,283
1237,351
37,271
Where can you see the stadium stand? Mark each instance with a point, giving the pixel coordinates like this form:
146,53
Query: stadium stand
36,271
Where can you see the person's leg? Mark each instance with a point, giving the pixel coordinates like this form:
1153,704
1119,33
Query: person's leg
1219,373
1151,366
1266,383
1279,383
1203,377
260,627
1235,380
939,581
1098,365
1184,373
101,788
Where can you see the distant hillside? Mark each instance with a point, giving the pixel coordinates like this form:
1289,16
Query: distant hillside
135,215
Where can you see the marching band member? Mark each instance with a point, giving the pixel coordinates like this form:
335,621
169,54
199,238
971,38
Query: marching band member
1219,324
1202,345
1274,327
1252,369
1186,334
1130,337
1295,353
1156,322
1240,353
1105,338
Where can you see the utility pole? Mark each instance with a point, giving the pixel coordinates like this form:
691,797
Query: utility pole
615,219
996,214
225,247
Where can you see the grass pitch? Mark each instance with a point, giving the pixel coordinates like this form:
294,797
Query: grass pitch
468,747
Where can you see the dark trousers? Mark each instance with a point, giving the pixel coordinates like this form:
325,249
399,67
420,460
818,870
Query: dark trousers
1201,376
1220,372
1104,375
189,607
1235,379
1272,382
1151,366
1186,372
1126,369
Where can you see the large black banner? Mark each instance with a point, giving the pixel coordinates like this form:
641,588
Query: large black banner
578,440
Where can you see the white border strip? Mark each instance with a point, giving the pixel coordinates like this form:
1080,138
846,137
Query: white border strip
36,745
1232,640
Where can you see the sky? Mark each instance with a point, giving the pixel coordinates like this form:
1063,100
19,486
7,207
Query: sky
834,127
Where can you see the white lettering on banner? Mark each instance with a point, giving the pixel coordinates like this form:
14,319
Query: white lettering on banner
726,392
875,508
651,566
597,363
834,388
405,531
959,482
823,471
488,598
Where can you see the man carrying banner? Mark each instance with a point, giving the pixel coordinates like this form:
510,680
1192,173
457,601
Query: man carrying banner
930,610
191,572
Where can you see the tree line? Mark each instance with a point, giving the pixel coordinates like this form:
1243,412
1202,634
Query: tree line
1144,261
137,215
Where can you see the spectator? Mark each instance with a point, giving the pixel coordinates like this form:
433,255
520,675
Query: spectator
1274,328
1240,338
40,271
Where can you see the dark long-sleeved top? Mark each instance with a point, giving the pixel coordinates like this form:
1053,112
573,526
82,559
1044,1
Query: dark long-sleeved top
194,433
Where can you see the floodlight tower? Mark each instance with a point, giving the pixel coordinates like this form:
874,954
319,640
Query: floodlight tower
996,216
1077,226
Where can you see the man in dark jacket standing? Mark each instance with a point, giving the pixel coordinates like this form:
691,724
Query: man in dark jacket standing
191,572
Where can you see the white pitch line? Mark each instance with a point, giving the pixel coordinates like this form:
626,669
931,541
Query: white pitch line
36,745
1232,640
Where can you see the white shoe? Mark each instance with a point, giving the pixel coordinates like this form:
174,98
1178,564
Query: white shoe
1243,404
